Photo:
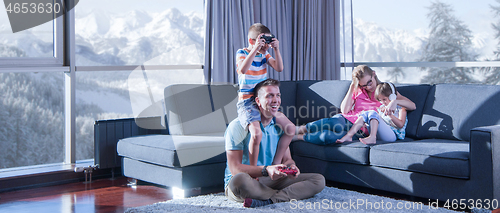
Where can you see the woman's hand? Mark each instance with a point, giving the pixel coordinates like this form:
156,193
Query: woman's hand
354,84
390,108
348,102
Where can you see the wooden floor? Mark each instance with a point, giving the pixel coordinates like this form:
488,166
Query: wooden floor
103,195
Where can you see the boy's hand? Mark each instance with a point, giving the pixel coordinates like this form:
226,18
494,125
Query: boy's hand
260,42
275,44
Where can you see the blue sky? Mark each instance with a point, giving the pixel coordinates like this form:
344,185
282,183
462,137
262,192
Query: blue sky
120,6
123,6
412,14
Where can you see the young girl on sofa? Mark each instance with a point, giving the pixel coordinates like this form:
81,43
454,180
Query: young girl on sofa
360,97
385,126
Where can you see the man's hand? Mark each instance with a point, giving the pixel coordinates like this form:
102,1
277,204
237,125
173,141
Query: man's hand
294,167
274,171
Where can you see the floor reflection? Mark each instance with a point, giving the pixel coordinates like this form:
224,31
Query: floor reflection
99,196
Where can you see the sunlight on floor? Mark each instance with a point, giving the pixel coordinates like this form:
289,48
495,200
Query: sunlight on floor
178,193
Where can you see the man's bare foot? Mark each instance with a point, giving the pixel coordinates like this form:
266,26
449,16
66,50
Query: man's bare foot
368,140
344,139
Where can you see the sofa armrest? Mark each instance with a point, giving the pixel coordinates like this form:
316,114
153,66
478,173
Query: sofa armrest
485,157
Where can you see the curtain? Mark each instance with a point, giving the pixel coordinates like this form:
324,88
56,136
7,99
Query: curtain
307,31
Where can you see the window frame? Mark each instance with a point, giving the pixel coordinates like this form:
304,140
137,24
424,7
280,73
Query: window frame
47,64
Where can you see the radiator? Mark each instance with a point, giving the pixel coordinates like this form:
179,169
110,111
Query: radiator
107,133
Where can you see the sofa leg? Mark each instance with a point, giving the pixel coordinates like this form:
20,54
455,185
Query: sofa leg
179,193
132,182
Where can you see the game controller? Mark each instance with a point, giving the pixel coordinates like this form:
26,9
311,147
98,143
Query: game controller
268,39
288,171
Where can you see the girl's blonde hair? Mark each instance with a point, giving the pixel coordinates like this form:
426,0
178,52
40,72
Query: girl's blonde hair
385,90
361,71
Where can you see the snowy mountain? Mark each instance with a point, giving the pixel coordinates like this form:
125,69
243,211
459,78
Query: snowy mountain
137,37
374,43
377,44
134,38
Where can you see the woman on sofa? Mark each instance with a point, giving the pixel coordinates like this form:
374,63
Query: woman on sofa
359,98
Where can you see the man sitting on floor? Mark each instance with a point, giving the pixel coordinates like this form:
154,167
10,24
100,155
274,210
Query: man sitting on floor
265,183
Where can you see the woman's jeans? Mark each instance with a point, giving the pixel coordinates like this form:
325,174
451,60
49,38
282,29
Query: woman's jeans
328,130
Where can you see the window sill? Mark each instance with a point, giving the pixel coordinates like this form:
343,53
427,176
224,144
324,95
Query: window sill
46,175
40,169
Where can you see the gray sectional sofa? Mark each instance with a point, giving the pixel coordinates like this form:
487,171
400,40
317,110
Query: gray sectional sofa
452,149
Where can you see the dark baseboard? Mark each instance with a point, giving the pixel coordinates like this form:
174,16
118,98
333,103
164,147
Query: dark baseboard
41,179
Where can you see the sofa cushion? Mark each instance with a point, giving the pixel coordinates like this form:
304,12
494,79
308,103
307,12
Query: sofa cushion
348,152
452,110
224,98
431,156
288,90
173,150
191,107
318,99
417,94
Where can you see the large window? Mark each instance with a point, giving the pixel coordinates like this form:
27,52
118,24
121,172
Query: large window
111,40
114,40
31,92
424,41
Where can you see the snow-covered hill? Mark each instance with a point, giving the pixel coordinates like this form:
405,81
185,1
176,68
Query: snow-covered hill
377,44
374,43
137,37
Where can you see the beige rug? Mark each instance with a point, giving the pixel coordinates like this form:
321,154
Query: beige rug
329,200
